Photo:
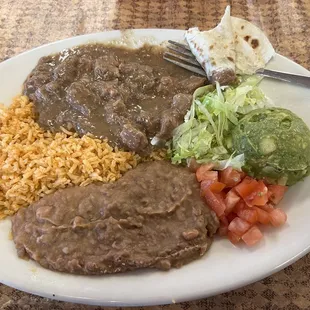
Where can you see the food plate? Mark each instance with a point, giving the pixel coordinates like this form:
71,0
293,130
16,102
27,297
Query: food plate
223,268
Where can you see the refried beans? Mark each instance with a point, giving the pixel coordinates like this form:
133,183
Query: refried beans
153,217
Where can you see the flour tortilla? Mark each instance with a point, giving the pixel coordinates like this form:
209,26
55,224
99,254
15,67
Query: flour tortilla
233,46
253,49
215,49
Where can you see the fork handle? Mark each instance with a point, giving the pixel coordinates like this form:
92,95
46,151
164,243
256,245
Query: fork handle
287,77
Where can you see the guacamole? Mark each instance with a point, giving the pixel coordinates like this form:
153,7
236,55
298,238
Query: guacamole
276,145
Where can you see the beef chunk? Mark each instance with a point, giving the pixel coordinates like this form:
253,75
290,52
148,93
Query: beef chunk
35,81
194,82
138,74
85,65
106,68
41,95
114,110
133,138
182,103
107,89
224,77
167,84
81,98
53,87
149,121
170,120
66,71
173,117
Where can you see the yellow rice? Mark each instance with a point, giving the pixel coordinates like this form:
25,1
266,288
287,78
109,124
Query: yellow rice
34,162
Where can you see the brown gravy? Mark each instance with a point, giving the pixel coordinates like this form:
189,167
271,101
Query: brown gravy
127,96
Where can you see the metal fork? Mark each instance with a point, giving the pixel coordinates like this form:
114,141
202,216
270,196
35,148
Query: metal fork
186,59
183,57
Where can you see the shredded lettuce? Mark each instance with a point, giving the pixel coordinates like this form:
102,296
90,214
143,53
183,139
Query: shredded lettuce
192,139
236,162
215,110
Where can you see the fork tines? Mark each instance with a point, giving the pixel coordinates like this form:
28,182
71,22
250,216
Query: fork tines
184,46
183,57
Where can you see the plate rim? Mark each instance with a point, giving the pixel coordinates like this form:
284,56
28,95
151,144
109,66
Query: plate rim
120,31
186,297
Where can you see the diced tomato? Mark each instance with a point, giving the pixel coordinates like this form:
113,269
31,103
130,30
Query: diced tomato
223,229
214,186
217,187
269,194
249,215
246,187
230,177
231,200
223,219
267,207
215,202
277,217
233,238
204,173
252,236
205,184
239,206
231,216
242,175
263,217
239,226
240,202
223,194
221,198
261,196
258,196
277,192
223,175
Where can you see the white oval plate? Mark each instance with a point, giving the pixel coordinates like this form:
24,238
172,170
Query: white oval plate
223,268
